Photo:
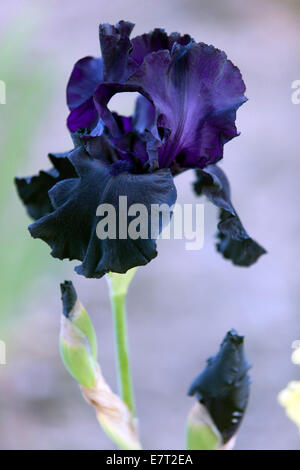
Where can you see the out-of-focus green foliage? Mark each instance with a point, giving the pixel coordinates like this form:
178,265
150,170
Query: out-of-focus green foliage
27,93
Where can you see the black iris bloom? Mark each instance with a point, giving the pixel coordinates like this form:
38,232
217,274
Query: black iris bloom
223,386
188,97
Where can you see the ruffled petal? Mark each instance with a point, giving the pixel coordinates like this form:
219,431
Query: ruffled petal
70,229
115,47
33,190
234,242
224,385
156,40
194,97
139,144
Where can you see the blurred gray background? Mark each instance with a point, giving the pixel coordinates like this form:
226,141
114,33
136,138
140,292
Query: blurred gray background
180,305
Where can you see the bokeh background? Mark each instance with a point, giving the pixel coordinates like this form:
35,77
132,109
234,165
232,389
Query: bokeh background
181,304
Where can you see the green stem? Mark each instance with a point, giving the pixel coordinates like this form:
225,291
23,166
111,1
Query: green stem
122,350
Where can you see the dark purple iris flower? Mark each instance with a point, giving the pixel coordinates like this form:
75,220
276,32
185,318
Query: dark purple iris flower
186,111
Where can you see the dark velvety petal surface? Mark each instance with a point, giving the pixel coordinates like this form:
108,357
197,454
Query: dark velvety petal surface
70,229
234,242
33,190
223,386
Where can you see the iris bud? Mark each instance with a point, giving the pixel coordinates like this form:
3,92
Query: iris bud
222,390
78,343
78,348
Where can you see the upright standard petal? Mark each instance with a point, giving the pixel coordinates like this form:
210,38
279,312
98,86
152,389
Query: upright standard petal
234,242
85,77
156,40
196,93
115,47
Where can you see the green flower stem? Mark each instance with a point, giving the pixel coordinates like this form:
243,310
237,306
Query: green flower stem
122,350
119,284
